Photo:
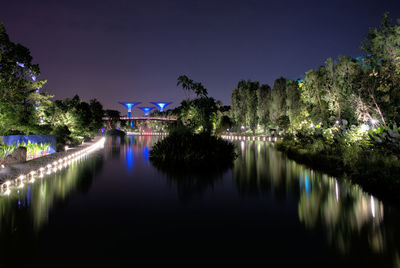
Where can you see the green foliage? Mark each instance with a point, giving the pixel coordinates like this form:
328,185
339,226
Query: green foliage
5,150
25,111
73,120
192,151
283,122
224,123
191,86
18,89
199,114
386,139
63,136
245,103
33,149
335,105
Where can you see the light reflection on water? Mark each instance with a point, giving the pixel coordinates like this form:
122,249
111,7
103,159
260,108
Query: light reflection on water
348,219
39,198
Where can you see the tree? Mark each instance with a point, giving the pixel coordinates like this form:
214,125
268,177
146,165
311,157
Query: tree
263,102
113,117
190,85
383,67
278,100
239,106
199,114
293,104
251,116
97,114
19,83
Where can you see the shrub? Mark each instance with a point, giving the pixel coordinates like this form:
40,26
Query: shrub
115,132
185,150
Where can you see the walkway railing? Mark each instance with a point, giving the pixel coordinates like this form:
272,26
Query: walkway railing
146,134
143,118
249,138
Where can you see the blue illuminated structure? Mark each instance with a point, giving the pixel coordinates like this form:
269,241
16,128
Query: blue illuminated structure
161,105
129,106
146,110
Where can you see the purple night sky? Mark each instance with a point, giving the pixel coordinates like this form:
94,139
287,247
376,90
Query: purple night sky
135,50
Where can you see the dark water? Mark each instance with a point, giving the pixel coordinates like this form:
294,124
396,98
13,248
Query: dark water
114,206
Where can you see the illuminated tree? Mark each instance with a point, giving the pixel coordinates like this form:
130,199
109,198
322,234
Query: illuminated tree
263,102
19,83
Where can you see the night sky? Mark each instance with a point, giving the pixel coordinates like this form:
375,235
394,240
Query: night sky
135,50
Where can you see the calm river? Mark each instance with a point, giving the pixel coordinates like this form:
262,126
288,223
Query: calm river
114,206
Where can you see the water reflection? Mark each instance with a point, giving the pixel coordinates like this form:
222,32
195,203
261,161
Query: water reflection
349,217
290,208
193,186
26,210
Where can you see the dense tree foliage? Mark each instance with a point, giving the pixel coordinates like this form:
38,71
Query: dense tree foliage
19,86
350,91
73,120
26,110
198,114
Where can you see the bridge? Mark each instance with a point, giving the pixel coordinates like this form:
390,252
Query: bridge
143,118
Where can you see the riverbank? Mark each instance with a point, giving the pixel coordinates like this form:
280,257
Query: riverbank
16,175
379,175
375,173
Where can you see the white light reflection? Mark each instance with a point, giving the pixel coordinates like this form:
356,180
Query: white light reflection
337,191
372,206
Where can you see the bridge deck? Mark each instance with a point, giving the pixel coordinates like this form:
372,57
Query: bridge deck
143,118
